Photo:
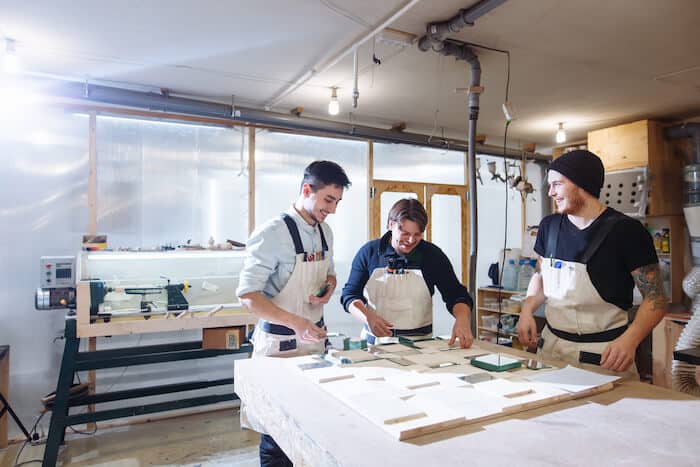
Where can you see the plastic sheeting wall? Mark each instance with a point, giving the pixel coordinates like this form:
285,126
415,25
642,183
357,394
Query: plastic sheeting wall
166,183
280,159
43,187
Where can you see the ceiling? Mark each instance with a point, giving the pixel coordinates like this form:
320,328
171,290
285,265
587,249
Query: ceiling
588,63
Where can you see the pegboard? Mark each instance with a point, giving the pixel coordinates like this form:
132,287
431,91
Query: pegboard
626,191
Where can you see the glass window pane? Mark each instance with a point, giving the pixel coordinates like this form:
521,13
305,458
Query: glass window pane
418,164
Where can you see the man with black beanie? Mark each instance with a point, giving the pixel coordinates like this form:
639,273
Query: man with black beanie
590,259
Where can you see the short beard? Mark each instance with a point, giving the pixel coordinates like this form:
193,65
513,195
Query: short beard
574,204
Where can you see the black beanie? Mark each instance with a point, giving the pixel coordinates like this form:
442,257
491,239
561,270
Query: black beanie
583,168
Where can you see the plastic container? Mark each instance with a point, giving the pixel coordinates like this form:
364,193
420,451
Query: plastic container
489,321
510,275
527,269
508,305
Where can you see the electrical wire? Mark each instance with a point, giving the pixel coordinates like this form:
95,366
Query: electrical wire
34,436
507,53
499,325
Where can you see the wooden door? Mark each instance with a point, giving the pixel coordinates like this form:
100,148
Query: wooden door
457,194
384,194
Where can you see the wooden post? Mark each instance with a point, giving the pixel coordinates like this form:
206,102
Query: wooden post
92,230
92,175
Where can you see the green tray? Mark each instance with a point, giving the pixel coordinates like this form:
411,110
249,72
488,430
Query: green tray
495,367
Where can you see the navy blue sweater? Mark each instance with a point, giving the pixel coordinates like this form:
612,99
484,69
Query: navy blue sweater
433,263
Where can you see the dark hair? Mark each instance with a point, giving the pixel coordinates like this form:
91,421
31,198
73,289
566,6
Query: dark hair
321,173
408,209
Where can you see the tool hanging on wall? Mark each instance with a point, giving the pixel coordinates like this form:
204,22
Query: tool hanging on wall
520,182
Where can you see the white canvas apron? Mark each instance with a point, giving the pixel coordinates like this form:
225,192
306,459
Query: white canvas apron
307,278
279,341
402,299
574,306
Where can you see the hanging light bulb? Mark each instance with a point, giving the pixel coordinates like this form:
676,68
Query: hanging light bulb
10,62
334,105
561,134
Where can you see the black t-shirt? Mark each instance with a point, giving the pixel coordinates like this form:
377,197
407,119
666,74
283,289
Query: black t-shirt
627,247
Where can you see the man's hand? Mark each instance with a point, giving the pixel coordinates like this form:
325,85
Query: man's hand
619,354
306,330
527,330
326,297
378,325
462,331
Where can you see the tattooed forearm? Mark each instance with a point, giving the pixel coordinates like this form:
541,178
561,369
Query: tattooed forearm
651,285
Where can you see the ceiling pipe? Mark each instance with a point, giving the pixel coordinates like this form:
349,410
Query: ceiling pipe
169,103
434,39
437,31
323,66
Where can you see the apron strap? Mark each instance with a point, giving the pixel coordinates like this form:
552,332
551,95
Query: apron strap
427,329
324,245
294,232
280,330
604,336
296,238
607,226
553,239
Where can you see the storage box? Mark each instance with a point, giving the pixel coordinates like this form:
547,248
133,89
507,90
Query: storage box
509,305
223,338
489,321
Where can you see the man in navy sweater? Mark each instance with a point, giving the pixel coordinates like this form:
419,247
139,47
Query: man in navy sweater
393,278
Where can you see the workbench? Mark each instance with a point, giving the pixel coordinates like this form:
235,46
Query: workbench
635,422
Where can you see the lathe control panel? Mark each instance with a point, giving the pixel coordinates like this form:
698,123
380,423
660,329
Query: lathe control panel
57,271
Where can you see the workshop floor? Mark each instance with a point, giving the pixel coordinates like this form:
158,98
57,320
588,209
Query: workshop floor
205,439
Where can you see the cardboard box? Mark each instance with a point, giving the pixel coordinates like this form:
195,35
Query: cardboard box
223,338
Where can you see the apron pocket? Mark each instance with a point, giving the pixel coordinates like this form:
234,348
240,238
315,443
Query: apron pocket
287,345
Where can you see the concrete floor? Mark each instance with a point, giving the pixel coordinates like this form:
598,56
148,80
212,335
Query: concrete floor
203,439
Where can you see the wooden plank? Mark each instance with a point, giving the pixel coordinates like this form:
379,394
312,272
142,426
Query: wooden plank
666,160
385,408
623,146
406,404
